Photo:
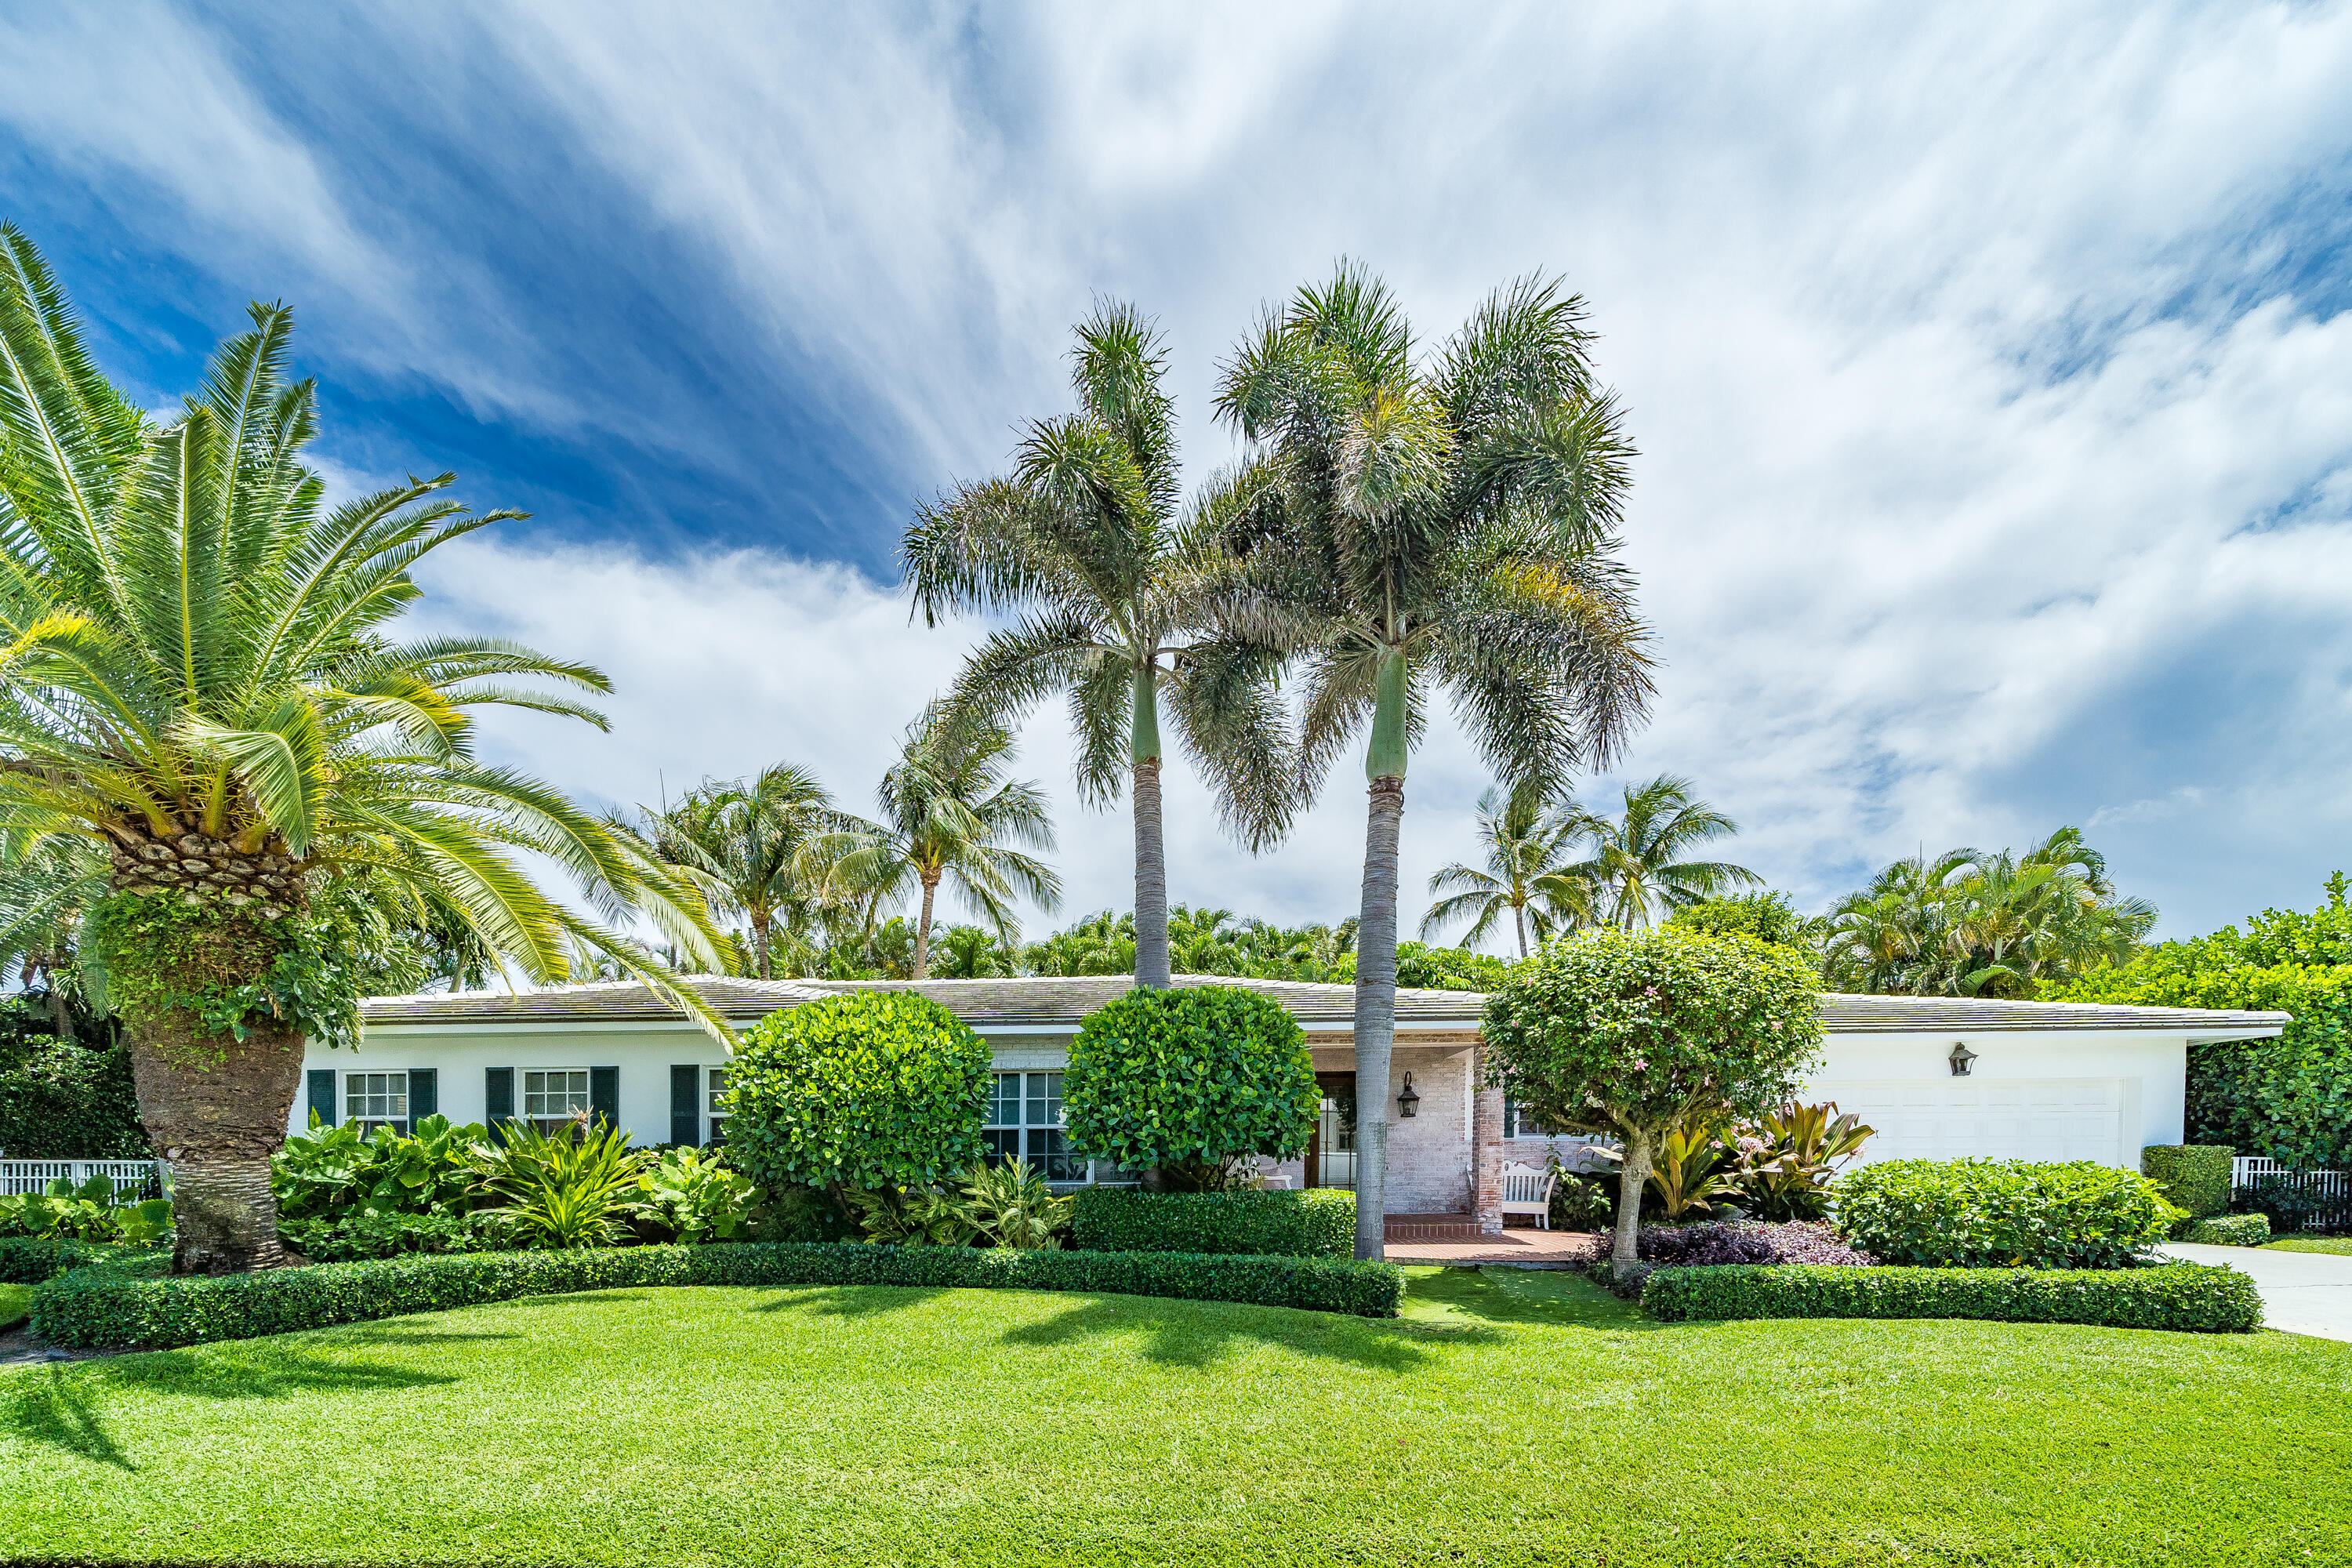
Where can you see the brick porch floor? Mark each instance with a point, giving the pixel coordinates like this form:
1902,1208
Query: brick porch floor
1516,1247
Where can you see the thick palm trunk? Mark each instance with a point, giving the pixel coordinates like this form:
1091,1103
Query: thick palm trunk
1151,966
1634,1177
1376,1013
215,1107
1151,963
923,931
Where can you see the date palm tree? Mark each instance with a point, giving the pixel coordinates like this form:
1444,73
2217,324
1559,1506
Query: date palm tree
1526,843
949,812
1082,542
761,852
199,686
1636,873
1407,530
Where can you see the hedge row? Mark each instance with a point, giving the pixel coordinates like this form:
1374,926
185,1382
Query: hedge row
111,1307
1318,1222
2196,1176
2192,1297
2229,1230
28,1259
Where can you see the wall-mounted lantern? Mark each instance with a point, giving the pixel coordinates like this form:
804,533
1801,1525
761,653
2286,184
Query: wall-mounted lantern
1407,1103
1961,1057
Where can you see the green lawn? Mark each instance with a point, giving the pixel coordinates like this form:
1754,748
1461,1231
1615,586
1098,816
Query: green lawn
2310,1244
1509,1418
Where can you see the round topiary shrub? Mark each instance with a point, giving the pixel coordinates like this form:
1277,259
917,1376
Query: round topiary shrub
1189,1080
2000,1213
879,1089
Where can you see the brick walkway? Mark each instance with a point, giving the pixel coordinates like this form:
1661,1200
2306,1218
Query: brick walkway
1516,1247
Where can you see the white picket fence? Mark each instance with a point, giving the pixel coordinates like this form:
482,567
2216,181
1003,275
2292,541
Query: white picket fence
132,1178
2245,1168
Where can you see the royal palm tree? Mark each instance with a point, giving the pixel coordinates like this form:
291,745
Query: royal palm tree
1636,873
761,852
1406,531
199,685
1081,542
950,814
1526,843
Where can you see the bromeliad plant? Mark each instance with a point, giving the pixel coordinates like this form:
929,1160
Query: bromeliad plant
202,697
1011,1206
574,1187
1784,1164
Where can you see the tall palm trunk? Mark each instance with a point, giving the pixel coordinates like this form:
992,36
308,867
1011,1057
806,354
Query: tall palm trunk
1151,962
1376,1013
215,1106
923,931
1520,917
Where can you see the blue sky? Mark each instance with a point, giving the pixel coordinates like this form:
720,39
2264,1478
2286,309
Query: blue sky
1990,370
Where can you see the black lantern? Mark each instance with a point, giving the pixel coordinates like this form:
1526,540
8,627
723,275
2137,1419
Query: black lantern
1407,1103
1961,1057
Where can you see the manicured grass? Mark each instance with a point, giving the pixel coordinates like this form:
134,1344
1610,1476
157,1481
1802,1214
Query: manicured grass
1507,1418
15,1301
2310,1244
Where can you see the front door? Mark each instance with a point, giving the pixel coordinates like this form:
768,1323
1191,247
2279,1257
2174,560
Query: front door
1331,1152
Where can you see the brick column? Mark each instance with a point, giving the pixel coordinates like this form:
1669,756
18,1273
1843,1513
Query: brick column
1485,1146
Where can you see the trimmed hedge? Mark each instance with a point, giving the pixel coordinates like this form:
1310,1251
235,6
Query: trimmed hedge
2000,1213
1318,1222
2193,1298
28,1260
2195,1176
2230,1230
110,1308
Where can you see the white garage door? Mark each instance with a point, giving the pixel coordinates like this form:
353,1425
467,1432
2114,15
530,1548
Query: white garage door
2012,1119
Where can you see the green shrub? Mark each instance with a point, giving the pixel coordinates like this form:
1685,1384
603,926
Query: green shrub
28,1260
2193,1176
2000,1213
356,1235
880,1088
2230,1230
326,1171
691,1195
15,1305
93,1210
2194,1297
1320,1223
62,1100
1191,1080
111,1306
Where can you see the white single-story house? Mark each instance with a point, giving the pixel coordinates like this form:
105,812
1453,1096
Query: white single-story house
1938,1077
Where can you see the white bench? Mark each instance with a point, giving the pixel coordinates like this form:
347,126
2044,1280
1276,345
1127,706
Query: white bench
1527,1190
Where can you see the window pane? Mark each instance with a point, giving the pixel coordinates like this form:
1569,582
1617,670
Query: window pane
1005,1100
717,1088
1004,1145
1045,1100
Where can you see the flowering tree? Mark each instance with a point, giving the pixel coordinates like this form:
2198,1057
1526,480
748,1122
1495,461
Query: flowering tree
1636,1033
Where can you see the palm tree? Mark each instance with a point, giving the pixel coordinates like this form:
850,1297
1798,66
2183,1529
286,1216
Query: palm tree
1081,542
1636,873
761,852
1526,843
1406,531
947,811
199,684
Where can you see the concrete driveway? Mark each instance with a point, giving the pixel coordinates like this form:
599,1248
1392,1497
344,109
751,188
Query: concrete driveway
2303,1292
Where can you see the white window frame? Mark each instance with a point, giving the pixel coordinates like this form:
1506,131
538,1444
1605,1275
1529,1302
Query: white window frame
393,1101
541,1119
714,1084
1034,1100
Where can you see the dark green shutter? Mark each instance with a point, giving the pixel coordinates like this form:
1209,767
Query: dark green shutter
604,1095
686,1104
322,1094
423,1094
498,1101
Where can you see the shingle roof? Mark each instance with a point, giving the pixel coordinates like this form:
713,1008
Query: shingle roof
1049,1001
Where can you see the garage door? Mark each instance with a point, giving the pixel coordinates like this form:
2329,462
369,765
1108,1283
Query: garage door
2015,1118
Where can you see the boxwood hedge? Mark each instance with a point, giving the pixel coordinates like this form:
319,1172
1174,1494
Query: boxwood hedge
1318,1223
2192,1297
28,1259
2196,1176
2230,1230
111,1306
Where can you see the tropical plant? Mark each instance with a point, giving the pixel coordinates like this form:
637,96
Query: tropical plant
1185,1084
1101,943
972,953
1783,1166
1526,843
1636,873
1638,1034
197,673
1082,543
1976,923
1406,530
90,1210
950,814
921,1215
1683,1170
879,1090
1009,1205
761,852
326,1170
692,1195
575,1186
